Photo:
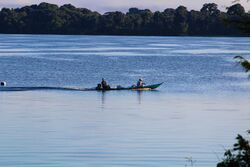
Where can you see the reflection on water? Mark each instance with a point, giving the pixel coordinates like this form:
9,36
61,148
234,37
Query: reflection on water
103,98
203,104
139,96
123,128
104,95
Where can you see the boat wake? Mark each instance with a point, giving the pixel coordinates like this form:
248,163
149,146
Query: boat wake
40,88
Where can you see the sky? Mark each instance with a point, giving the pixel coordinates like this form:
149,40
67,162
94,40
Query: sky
123,5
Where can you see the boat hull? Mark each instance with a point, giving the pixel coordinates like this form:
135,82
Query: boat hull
144,88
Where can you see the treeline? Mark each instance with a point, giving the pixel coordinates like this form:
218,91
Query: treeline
48,18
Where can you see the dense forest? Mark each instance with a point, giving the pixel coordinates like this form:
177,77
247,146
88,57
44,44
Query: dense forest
48,18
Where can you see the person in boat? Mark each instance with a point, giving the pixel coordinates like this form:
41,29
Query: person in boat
140,83
103,85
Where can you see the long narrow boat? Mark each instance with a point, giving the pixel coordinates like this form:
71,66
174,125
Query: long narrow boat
147,87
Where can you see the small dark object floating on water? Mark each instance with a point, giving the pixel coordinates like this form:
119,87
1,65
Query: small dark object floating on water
3,83
143,88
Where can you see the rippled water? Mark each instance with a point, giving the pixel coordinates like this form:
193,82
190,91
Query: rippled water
202,106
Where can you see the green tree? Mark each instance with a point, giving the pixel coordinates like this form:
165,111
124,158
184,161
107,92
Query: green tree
181,17
237,18
239,156
48,18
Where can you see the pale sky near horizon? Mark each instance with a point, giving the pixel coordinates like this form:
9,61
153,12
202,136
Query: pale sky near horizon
123,5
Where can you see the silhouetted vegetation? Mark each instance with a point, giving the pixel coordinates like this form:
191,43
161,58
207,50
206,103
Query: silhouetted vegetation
48,18
237,17
239,156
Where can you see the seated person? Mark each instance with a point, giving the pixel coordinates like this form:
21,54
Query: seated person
103,85
140,83
99,87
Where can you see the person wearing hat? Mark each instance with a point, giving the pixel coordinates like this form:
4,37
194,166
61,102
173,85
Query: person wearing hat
140,83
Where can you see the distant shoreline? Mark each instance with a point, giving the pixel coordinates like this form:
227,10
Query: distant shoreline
50,19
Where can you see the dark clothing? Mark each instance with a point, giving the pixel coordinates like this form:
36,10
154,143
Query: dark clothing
140,84
104,84
99,87
107,87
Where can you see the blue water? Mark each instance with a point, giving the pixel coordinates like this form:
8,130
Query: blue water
202,106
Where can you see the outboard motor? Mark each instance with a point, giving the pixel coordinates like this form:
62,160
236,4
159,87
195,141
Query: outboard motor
2,83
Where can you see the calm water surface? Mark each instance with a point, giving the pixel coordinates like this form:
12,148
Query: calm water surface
197,113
